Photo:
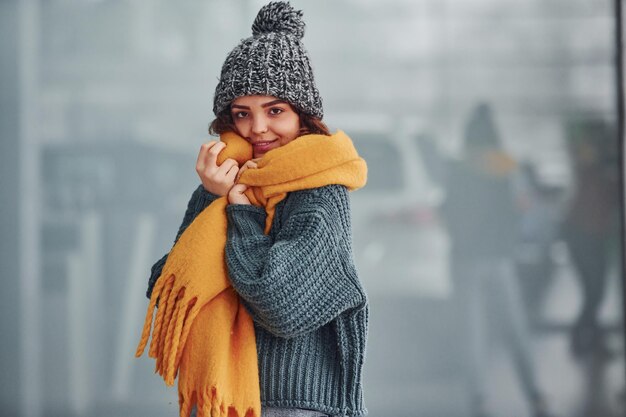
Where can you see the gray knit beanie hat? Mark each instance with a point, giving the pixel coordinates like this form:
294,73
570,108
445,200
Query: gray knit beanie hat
272,62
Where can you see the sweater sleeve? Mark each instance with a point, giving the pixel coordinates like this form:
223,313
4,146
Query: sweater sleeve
305,277
200,199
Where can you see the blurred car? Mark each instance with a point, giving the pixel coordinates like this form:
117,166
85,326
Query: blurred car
401,252
400,247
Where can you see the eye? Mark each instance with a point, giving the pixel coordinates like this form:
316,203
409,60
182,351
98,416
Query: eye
240,114
274,111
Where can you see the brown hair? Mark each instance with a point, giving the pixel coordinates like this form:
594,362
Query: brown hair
308,124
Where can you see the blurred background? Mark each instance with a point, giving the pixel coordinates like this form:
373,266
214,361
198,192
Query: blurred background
488,237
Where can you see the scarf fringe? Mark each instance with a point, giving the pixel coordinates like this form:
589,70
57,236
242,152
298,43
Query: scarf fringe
172,324
209,404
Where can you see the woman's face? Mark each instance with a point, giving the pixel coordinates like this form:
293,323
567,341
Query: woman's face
265,121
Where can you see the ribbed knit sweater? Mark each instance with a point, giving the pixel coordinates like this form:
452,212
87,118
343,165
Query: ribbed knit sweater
301,288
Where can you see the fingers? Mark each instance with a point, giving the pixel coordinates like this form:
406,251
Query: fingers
226,166
207,157
236,194
213,152
202,155
219,179
248,165
239,189
232,175
241,171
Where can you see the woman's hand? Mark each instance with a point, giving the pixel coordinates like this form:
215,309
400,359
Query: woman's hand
216,179
236,194
251,164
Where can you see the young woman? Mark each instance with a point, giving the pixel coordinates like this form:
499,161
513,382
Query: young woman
289,258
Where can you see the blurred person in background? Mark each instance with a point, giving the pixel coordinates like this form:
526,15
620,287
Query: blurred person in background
541,206
482,218
591,227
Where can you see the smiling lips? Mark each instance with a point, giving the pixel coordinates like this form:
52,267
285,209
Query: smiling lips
263,146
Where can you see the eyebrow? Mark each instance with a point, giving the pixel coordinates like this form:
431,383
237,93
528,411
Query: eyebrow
268,104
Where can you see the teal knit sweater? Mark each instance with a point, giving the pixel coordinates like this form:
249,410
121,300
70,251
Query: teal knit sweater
300,286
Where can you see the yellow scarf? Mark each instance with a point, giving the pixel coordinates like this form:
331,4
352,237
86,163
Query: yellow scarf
201,328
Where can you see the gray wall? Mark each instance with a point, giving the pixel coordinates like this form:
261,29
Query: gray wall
10,320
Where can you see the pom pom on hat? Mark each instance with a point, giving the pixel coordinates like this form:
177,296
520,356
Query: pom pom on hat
278,17
272,62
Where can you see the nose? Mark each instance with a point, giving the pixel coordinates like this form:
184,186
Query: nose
260,124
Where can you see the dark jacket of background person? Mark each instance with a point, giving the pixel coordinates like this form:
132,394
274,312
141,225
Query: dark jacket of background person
593,207
479,209
591,226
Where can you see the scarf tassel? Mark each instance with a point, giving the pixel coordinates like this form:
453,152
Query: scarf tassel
208,404
172,324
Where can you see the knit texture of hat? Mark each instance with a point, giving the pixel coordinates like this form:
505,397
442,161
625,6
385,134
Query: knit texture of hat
271,62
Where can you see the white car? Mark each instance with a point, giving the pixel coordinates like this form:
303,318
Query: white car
400,248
